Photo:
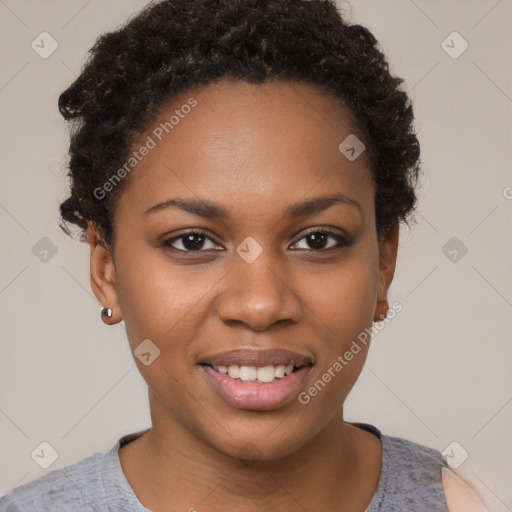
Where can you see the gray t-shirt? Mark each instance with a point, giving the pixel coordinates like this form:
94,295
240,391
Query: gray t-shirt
410,480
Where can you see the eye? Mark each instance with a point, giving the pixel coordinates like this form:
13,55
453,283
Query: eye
192,241
318,239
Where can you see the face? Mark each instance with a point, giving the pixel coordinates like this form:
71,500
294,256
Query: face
272,245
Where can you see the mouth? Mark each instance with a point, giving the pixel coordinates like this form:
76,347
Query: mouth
257,379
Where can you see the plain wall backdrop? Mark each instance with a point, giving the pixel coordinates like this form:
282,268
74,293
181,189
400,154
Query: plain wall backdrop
439,372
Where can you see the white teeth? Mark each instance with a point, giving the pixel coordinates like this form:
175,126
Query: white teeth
252,373
280,370
266,374
234,371
248,373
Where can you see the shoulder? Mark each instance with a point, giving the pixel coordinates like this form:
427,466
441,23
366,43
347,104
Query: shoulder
415,463
461,495
76,487
409,454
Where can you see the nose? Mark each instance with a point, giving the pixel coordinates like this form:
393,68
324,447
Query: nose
258,294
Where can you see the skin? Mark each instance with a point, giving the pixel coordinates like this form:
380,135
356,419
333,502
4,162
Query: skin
255,150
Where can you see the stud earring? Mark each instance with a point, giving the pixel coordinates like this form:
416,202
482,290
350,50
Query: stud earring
106,312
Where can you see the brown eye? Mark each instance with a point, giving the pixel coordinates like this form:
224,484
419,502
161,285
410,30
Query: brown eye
321,240
190,242
318,240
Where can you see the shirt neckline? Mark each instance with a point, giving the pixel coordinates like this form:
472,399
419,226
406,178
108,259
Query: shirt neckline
129,501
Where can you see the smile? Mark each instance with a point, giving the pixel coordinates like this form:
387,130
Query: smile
257,379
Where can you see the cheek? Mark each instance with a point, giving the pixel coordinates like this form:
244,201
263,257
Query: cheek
342,297
158,298
346,319
165,305
343,310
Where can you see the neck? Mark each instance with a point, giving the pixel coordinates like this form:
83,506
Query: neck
169,465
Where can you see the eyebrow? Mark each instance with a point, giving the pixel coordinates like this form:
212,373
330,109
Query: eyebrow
210,209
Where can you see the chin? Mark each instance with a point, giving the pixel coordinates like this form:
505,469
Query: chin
257,441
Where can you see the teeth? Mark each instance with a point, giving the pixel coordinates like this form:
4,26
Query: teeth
280,370
266,374
252,373
234,371
248,373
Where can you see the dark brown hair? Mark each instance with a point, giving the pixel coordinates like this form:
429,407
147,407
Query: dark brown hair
173,45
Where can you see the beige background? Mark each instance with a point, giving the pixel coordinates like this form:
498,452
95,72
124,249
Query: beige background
439,372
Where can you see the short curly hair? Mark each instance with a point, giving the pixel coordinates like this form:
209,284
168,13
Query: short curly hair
174,45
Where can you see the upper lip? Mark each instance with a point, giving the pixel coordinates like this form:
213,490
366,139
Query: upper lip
260,357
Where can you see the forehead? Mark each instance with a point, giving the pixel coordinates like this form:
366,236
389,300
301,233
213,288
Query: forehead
249,145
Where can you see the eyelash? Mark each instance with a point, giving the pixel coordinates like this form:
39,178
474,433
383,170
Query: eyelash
342,241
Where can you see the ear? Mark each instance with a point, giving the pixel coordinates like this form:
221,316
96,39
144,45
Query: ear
103,277
388,248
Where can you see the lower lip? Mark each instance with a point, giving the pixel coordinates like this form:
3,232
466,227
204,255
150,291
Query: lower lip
255,395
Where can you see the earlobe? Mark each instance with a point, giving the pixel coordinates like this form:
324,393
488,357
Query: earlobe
103,277
388,248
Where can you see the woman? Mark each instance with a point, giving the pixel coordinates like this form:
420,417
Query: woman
240,170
